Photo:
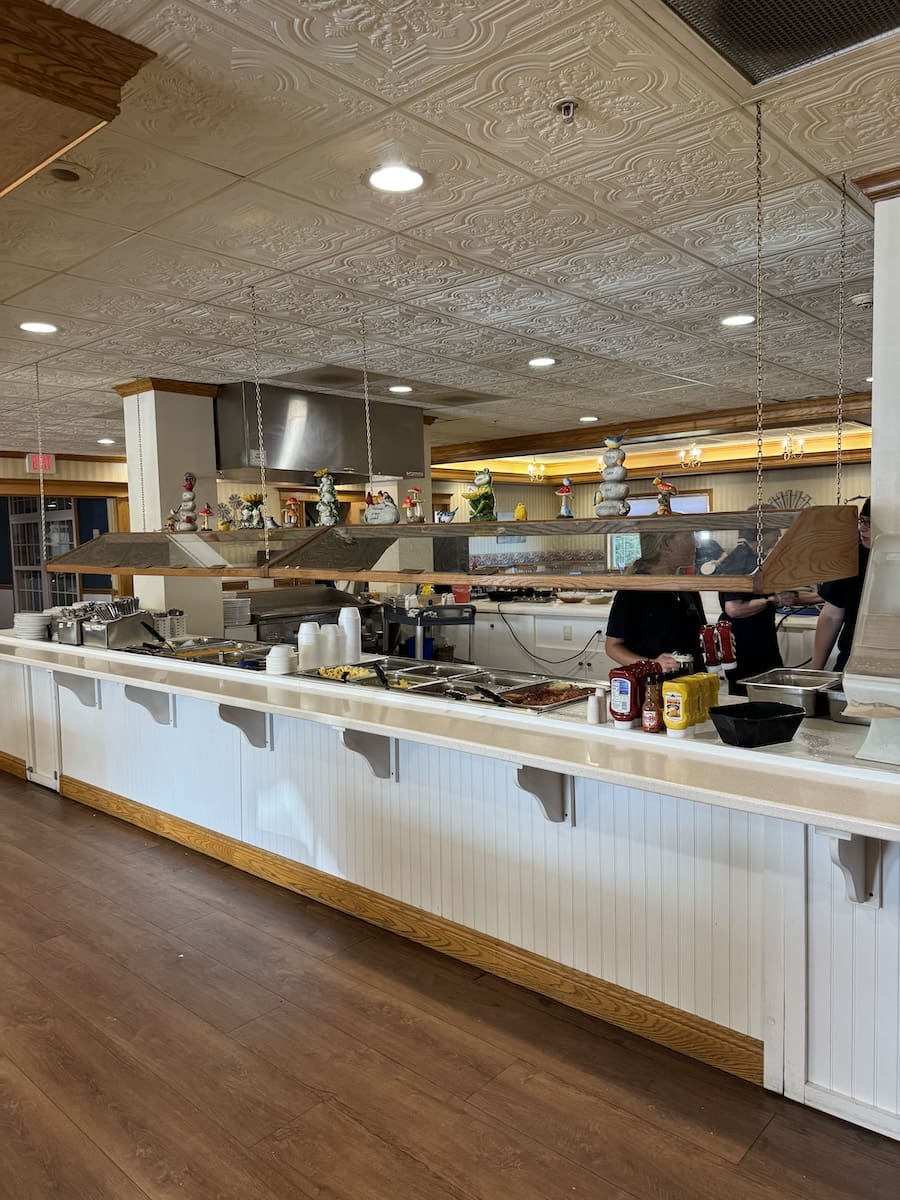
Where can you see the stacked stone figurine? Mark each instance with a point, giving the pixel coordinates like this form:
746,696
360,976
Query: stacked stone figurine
609,498
327,507
185,515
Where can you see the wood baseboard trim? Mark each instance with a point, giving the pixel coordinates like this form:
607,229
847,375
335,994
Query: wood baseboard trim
736,1053
12,765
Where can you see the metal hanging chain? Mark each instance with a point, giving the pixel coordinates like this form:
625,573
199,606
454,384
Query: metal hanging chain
759,323
842,275
368,410
40,444
259,416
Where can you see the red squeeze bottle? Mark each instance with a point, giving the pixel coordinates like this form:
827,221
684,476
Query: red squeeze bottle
624,696
709,644
725,638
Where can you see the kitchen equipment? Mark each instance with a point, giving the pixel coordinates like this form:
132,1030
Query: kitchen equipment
791,685
172,624
570,597
756,723
380,675
157,636
116,632
546,695
490,694
837,702
434,670
66,630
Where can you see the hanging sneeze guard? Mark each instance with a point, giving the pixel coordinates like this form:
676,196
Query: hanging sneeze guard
818,544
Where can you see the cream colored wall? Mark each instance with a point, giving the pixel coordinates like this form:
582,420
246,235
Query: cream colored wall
88,472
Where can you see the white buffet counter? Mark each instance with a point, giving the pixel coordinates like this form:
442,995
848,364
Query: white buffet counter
682,889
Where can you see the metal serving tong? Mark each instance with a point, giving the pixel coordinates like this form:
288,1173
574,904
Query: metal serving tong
497,699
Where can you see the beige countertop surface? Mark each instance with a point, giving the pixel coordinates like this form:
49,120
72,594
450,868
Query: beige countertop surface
814,779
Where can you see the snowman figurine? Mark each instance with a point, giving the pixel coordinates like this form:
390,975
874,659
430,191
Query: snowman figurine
186,516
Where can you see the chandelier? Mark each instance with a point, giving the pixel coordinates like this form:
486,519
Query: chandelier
791,447
691,458
536,472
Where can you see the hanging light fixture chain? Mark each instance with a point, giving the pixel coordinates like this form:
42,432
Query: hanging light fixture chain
40,446
759,357
842,275
259,414
367,405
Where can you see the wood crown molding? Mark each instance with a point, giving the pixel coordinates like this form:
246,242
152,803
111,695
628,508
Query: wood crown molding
54,56
796,413
697,1037
179,386
881,185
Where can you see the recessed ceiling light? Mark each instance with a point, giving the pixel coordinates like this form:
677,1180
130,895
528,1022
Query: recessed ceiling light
869,378
400,389
739,319
588,420
106,441
37,327
396,178
542,360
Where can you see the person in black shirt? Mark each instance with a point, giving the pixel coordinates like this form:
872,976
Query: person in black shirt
837,620
653,624
752,618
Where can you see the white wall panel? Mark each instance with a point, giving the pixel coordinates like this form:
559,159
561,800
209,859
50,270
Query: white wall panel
854,984
12,709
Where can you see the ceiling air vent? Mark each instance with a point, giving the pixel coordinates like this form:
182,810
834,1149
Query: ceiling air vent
766,38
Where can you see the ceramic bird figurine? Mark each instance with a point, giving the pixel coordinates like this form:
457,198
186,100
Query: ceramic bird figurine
664,493
614,441
520,512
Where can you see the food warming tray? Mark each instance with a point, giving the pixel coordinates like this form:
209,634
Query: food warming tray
837,702
789,685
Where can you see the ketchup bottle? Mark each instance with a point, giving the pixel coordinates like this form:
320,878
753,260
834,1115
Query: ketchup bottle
624,696
725,638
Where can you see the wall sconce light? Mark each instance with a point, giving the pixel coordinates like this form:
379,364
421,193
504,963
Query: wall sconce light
791,448
536,472
691,458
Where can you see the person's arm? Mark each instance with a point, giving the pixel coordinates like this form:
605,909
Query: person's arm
616,649
737,609
828,626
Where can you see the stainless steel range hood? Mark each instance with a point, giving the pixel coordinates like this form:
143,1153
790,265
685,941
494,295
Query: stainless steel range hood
305,431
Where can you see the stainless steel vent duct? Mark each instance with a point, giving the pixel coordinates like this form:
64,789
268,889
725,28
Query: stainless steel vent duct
306,431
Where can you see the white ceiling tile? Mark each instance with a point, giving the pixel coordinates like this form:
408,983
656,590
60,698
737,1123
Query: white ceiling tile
223,326
70,330
118,16
15,278
154,265
627,92
814,266
398,268
14,352
260,225
51,240
846,117
823,303
125,182
792,217
398,48
69,296
620,265
707,166
220,97
309,301
497,299
335,174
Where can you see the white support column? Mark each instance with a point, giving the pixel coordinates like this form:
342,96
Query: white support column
168,432
886,369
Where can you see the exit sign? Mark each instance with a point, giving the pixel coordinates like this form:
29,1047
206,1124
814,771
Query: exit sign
37,463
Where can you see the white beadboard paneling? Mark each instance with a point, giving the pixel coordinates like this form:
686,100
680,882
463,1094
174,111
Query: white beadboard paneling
87,472
12,710
854,985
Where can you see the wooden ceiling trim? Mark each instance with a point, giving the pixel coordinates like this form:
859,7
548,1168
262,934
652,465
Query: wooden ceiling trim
881,185
154,384
796,413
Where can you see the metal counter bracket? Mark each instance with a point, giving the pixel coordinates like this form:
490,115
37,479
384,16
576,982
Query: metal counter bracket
858,859
86,688
160,705
252,724
379,751
554,791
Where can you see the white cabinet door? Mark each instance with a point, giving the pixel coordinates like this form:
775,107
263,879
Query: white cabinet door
573,647
42,715
504,642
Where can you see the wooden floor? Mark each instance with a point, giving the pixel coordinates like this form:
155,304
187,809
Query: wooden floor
172,1028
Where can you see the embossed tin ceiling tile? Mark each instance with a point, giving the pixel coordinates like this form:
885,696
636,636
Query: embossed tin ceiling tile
260,225
216,325
767,38
614,266
217,96
823,304
15,278
335,173
299,298
513,230
846,117
70,331
812,266
69,296
630,88
497,300
677,301
52,240
398,268
709,165
793,217
394,49
127,182
154,265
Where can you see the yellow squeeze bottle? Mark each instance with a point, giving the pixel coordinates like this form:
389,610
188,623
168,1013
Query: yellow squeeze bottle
711,682
678,699
698,683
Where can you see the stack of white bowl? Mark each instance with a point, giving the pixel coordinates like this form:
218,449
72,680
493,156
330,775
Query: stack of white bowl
33,626
281,660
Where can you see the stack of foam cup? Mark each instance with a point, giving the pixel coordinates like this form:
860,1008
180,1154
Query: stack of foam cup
281,660
332,646
309,649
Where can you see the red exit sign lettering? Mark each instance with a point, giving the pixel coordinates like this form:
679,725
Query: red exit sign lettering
37,463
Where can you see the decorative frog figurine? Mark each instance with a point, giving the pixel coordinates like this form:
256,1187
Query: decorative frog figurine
481,496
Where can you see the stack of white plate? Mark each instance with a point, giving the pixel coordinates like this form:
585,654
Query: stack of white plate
236,610
34,626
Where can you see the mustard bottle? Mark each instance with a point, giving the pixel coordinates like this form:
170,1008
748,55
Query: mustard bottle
678,701
699,686
712,683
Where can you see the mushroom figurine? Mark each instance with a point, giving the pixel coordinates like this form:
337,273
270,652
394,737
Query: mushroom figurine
205,512
564,491
664,493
